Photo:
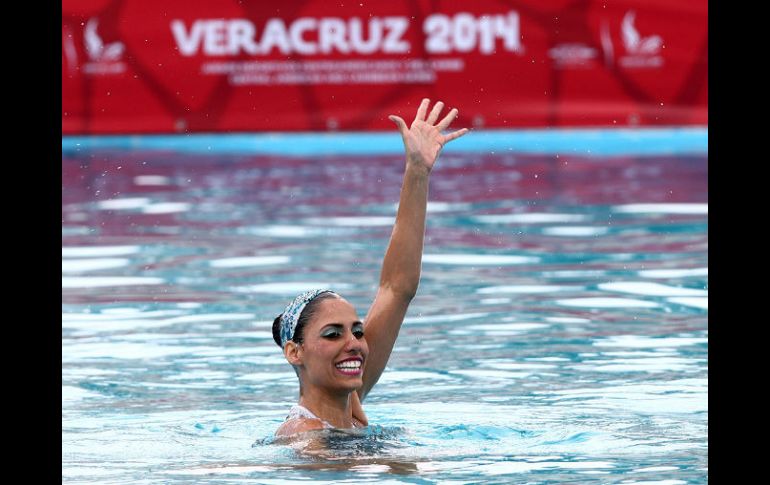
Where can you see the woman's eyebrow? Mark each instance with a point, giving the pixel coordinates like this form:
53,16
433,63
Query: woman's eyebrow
336,324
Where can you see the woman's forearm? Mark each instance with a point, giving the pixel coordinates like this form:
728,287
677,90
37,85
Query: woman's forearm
400,276
403,258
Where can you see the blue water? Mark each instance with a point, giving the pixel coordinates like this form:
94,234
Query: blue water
559,335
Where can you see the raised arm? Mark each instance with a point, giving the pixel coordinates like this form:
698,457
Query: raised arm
400,276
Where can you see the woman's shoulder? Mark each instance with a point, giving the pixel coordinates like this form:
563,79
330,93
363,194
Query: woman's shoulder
299,425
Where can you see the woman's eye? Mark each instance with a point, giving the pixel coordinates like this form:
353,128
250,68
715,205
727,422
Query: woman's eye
358,333
331,335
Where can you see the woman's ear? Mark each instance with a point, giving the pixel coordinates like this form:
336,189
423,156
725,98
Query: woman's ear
291,351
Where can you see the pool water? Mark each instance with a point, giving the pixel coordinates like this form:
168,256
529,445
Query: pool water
559,334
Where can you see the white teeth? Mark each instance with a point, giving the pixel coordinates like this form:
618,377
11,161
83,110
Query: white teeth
350,364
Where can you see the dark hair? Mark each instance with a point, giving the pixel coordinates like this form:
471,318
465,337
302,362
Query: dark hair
307,313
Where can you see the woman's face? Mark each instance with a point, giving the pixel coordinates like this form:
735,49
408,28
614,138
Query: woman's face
334,349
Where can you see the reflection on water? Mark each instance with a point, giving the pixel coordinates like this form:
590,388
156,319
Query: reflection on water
559,333
343,444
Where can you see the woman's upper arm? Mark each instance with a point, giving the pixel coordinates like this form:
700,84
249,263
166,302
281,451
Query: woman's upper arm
381,327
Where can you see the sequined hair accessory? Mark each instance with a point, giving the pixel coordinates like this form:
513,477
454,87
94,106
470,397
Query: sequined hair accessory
290,316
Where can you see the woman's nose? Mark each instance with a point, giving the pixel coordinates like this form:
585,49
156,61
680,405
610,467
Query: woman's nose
353,343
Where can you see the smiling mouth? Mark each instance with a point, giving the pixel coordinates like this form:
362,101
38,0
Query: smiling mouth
350,367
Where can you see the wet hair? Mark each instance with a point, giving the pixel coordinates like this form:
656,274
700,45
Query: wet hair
307,313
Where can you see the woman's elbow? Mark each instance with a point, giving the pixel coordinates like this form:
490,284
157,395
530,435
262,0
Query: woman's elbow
404,291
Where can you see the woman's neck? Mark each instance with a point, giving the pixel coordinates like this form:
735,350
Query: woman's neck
335,409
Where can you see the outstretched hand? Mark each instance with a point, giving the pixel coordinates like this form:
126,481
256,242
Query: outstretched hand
423,140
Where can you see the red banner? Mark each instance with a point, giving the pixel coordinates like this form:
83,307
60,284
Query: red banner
178,66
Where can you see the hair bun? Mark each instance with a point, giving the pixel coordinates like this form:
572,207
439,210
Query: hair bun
277,330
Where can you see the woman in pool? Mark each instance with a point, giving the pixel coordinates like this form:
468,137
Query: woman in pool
320,332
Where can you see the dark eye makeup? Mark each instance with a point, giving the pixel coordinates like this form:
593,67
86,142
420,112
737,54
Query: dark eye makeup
331,333
334,332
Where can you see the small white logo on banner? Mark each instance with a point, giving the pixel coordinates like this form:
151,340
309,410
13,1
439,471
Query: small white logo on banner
105,58
642,51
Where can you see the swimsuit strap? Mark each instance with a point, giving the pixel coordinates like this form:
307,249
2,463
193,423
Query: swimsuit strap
299,411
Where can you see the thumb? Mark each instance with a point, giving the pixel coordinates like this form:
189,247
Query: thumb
399,122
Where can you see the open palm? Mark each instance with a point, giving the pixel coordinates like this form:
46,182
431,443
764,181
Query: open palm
423,140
